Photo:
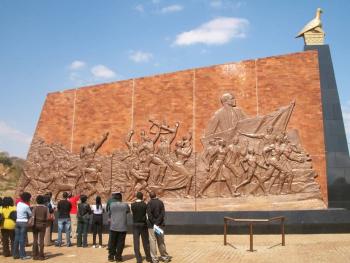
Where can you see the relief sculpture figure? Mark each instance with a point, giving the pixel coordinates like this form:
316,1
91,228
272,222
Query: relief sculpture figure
88,171
180,176
251,170
29,174
216,169
226,117
132,146
147,153
241,157
140,175
259,157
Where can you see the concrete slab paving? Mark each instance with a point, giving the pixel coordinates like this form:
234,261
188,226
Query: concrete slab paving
210,249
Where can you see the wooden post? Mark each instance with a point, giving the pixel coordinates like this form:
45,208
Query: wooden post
251,236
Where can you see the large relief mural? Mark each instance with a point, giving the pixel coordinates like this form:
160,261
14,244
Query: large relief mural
243,159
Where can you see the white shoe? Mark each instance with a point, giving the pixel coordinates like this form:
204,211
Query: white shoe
99,246
94,246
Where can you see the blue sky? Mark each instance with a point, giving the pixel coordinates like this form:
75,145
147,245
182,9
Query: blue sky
55,45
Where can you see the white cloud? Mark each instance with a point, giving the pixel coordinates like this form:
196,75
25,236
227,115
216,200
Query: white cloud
140,56
226,4
155,1
346,118
9,133
171,9
139,8
102,72
77,64
215,32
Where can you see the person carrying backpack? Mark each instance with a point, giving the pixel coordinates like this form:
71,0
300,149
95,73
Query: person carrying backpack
8,213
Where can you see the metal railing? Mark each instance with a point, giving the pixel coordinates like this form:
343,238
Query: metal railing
252,221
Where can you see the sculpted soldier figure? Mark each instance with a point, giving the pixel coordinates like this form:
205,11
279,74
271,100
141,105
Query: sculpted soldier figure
184,148
235,154
87,156
87,152
267,138
48,167
209,152
148,147
226,117
132,146
180,176
141,175
56,185
94,181
253,164
164,147
216,168
29,173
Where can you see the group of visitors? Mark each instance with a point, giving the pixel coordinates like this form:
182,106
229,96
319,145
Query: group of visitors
17,217
74,217
148,222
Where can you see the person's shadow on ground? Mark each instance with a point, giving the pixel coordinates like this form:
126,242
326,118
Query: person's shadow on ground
53,255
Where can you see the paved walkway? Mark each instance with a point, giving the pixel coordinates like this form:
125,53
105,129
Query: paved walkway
209,248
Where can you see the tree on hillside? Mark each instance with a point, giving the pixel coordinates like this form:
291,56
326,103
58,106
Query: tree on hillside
5,159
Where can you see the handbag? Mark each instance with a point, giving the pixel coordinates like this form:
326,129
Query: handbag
31,220
51,217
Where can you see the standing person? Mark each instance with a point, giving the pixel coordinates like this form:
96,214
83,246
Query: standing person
19,199
156,215
23,214
73,213
97,222
139,210
8,212
63,208
1,219
41,215
51,219
54,208
118,216
110,200
84,212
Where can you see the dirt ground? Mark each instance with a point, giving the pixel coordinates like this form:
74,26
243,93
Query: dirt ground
209,248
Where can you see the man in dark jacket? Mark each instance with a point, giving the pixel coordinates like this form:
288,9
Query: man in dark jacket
63,208
118,217
156,214
139,209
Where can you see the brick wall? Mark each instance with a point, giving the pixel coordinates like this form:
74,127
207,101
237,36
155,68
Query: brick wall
75,117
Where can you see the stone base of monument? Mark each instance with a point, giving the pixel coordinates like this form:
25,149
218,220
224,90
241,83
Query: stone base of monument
300,201
336,220
297,222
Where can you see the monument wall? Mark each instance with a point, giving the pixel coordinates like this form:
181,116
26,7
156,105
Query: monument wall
75,117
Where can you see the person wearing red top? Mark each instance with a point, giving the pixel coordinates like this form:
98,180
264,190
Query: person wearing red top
73,213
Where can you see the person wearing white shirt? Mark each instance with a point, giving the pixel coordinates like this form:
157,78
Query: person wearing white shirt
97,221
23,214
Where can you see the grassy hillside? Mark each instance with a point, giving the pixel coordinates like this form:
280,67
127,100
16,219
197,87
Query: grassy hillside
10,171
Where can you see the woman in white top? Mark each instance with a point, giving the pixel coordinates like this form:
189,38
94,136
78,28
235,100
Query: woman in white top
97,221
23,214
